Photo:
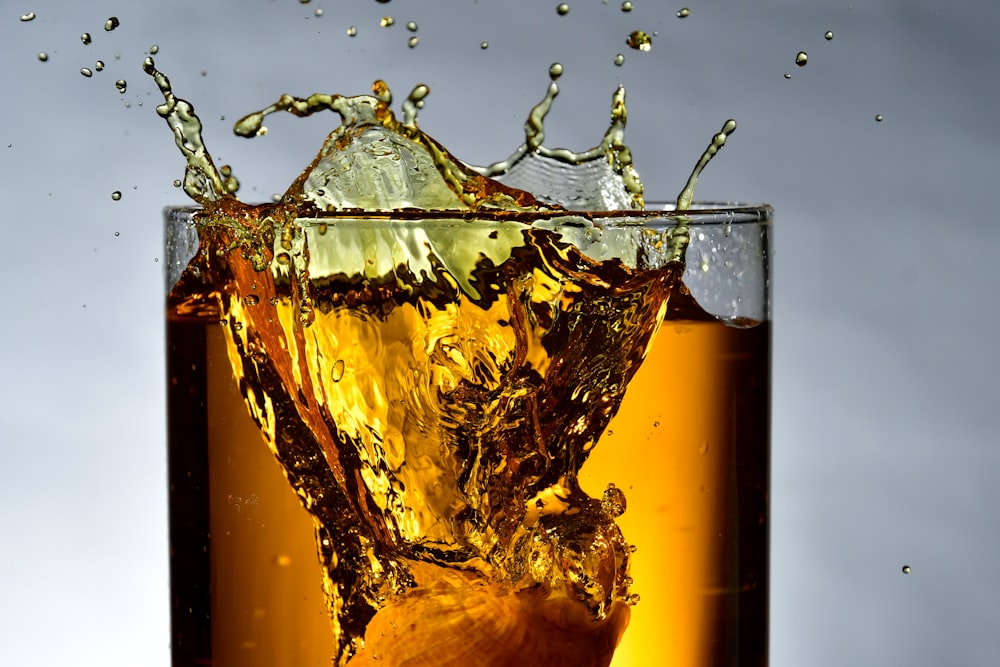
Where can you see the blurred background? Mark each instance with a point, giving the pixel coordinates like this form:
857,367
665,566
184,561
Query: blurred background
886,398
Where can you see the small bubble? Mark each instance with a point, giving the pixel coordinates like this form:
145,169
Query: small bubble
30,16
801,58
281,560
878,118
413,41
352,31
640,40
116,195
555,71
99,66
85,38
484,45
683,13
562,9
337,374
620,59
121,85
251,299
411,26
626,6
43,56
154,49
86,72
111,23
828,36
906,569
387,21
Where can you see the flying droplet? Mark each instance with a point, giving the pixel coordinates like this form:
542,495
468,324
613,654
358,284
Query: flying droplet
337,374
85,38
878,118
121,85
318,12
683,13
413,41
116,195
111,23
484,45
411,26
154,49
787,75
906,569
555,71
626,6
387,21
177,183
86,72
640,40
352,31
562,9
829,35
382,2
99,66
801,58
620,60
30,16
117,233
43,56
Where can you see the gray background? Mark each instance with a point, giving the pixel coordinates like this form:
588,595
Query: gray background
885,291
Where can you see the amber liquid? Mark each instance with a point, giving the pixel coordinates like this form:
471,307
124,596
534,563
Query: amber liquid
689,446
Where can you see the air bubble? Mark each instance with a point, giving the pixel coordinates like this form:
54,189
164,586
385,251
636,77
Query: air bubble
337,374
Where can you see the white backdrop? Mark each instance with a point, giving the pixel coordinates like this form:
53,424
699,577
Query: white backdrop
885,388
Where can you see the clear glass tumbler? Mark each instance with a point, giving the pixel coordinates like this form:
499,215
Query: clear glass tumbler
440,438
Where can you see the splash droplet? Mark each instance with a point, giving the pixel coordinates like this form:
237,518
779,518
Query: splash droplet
30,16
154,49
828,36
562,9
626,6
878,118
177,183
86,72
411,26
116,195
555,71
484,45
683,13
337,374
43,56
413,41
906,569
801,58
352,31
387,21
99,66
318,12
640,40
787,75
619,59
111,23
121,85
86,38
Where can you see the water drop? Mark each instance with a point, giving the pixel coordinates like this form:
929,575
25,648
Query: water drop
413,41
801,58
626,6
85,38
352,31
382,2
906,569
116,195
318,12
484,45
878,118
99,66
787,75
154,49
117,233
620,60
43,56
555,71
337,374
562,9
683,13
640,40
411,26
111,23
86,72
177,183
30,16
828,36
121,85
387,21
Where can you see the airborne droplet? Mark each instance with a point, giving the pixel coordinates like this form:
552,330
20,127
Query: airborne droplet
413,41
562,9
387,21
85,38
484,45
626,6
829,35
619,59
111,23
555,71
411,26
30,16
121,85
878,118
683,13
43,56
116,195
99,66
154,49
86,72
801,58
906,569
640,40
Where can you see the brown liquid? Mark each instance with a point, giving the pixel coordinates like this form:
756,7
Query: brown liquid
688,447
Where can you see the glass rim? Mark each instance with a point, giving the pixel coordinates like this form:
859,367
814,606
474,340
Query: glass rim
700,213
